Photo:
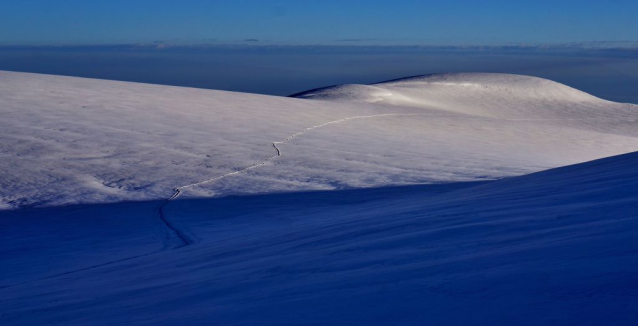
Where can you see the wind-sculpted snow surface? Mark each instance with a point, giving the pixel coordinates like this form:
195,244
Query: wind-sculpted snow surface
91,141
552,248
179,189
489,95
184,240
123,197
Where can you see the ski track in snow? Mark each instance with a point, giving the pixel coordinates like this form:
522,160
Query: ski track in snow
184,240
176,234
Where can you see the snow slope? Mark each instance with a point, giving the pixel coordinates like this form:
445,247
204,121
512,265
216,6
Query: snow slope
552,248
128,203
91,141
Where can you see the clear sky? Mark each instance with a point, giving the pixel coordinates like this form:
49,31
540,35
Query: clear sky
292,22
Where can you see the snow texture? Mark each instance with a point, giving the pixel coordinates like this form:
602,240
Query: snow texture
403,202
79,141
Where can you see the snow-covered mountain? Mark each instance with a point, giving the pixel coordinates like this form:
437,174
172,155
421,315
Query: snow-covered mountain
403,202
93,141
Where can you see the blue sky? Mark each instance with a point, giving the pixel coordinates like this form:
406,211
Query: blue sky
404,22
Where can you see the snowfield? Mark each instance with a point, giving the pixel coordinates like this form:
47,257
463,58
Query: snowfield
80,141
412,201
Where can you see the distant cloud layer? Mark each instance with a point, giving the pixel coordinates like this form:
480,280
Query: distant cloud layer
625,47
357,40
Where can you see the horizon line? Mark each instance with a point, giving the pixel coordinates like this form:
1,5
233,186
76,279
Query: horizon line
253,43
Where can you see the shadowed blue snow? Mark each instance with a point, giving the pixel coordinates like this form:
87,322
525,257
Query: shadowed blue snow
552,248
411,231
